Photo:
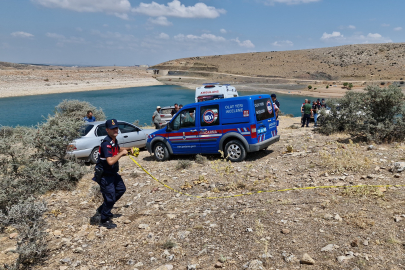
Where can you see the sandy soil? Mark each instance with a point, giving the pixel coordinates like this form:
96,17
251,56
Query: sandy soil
36,81
338,228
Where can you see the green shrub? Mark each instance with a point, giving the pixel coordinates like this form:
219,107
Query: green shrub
78,109
376,115
309,87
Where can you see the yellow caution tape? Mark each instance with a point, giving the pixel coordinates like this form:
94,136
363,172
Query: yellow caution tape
255,192
134,152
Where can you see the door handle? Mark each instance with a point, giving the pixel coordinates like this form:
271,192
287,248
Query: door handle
125,136
204,129
193,130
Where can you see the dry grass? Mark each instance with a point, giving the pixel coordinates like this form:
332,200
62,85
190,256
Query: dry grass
346,157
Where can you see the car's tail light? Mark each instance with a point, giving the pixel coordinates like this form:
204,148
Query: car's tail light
253,133
71,147
162,115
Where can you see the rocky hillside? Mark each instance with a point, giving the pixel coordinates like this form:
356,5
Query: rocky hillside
350,62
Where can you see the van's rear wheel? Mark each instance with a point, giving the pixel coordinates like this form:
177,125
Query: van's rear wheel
235,151
161,152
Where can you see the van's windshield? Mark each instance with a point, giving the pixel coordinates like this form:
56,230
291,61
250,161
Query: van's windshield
264,109
211,97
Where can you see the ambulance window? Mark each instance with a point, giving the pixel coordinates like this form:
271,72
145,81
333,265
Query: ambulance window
209,115
264,109
185,119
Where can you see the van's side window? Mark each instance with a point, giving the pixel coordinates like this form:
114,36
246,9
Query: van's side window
186,118
264,109
209,115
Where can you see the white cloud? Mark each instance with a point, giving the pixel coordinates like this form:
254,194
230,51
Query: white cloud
352,27
223,31
246,43
163,36
333,35
397,28
337,37
203,37
176,9
289,2
118,8
160,21
62,39
376,35
22,34
112,36
385,25
283,43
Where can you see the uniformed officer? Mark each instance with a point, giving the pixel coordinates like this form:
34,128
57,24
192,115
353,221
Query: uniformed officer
106,173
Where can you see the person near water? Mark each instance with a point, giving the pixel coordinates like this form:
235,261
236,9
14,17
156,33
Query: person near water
89,117
315,110
307,109
112,186
156,118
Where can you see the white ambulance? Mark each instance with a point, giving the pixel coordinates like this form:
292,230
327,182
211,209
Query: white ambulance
212,91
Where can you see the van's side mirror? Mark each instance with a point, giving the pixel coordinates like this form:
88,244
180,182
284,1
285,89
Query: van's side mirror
168,128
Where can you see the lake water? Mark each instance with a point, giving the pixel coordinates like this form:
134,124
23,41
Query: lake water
128,104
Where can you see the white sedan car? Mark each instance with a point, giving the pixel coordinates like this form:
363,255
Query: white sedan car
86,147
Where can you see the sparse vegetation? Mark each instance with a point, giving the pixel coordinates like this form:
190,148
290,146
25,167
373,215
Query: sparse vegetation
376,115
201,159
183,164
168,244
309,87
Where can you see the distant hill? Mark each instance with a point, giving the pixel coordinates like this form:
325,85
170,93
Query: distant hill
349,62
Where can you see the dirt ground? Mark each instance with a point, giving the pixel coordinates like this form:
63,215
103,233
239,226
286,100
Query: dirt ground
334,228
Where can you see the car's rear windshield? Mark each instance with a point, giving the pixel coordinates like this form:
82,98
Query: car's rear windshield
264,109
166,111
84,130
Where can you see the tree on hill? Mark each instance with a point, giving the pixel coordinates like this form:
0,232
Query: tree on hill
345,84
350,86
309,87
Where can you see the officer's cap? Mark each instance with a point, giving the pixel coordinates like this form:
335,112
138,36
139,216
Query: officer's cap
111,123
273,95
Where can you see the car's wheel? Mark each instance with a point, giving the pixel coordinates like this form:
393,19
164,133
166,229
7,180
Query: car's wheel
161,152
235,151
94,155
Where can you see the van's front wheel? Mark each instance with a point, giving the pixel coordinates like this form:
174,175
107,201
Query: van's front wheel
235,151
161,152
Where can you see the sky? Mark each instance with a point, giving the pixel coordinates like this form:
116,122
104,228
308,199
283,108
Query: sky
131,32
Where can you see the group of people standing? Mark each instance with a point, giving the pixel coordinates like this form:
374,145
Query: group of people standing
308,110
157,119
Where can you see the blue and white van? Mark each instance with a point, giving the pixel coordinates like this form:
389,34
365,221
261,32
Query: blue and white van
235,126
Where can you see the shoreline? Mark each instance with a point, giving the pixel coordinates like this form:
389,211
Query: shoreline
17,83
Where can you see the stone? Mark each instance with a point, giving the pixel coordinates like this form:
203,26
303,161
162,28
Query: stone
327,216
165,267
127,221
365,242
66,261
255,265
397,218
329,247
355,243
143,226
78,250
306,259
183,234
370,147
63,267
219,265
139,264
192,267
397,175
13,235
285,231
171,216
57,233
266,256
342,259
399,166
11,250
288,257
249,230
338,218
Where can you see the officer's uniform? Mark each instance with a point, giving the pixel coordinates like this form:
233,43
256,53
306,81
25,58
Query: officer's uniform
111,184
